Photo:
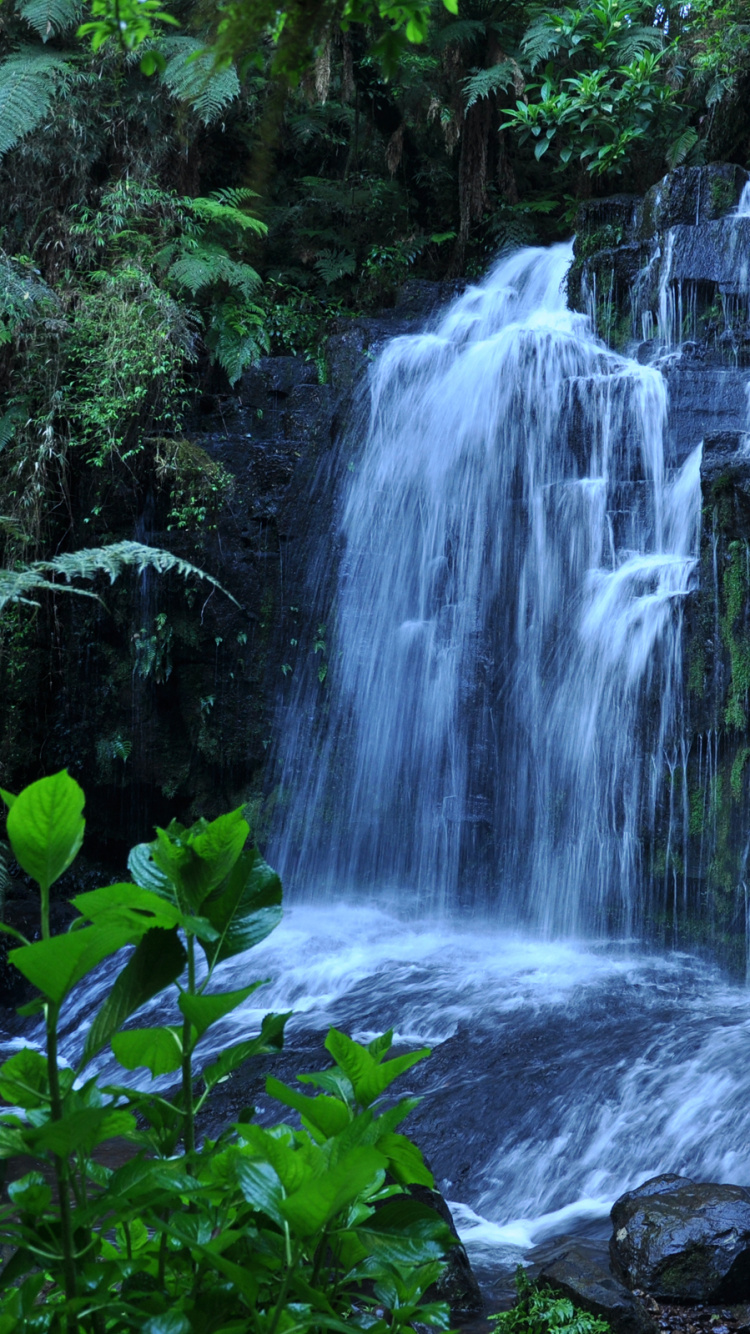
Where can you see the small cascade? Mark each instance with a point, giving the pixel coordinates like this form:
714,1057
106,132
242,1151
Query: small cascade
505,656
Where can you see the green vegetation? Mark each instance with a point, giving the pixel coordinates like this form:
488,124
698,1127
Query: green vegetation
540,1311
289,1229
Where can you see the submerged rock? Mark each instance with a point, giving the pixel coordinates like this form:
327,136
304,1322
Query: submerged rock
683,1241
578,1274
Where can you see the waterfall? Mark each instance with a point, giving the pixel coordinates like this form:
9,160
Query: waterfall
505,642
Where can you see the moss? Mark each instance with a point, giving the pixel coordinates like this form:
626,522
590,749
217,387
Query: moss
198,486
736,591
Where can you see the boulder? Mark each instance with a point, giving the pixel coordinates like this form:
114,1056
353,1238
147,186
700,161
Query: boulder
683,1241
578,1273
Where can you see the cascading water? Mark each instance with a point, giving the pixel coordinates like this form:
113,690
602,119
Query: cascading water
506,673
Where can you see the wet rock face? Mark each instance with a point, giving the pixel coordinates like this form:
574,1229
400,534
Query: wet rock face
577,1273
683,1241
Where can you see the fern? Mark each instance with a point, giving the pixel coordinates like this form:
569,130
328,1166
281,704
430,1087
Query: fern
50,17
191,76
5,860
638,39
223,207
541,40
21,585
204,264
335,264
22,292
486,81
28,82
9,421
236,337
463,31
681,147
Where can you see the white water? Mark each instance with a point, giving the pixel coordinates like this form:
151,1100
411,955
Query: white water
505,671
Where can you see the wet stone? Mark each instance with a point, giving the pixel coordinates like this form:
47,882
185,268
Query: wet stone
579,1274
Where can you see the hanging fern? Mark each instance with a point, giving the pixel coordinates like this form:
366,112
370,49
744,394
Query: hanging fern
486,81
191,76
681,147
202,265
50,17
21,585
28,82
236,337
462,31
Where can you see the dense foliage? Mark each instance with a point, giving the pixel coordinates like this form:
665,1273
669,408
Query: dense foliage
185,187
285,1228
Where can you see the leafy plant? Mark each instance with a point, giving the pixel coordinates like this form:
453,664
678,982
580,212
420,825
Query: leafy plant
280,1229
540,1311
23,583
29,79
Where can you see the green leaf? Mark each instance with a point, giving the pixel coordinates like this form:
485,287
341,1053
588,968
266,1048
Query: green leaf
261,1187
23,1079
158,960
130,903
203,1011
309,1209
7,797
54,966
406,1233
196,860
246,909
405,1160
269,1041
369,1077
327,1115
146,873
83,1129
159,1049
172,1322
45,827
30,1193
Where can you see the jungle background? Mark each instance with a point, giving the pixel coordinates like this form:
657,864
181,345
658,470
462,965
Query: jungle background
203,215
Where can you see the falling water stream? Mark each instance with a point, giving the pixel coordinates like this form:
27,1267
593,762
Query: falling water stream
470,801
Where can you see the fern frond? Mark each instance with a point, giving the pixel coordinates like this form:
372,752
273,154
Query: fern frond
484,82
22,292
236,337
214,209
21,585
335,264
682,146
203,265
191,76
28,81
50,17
540,41
462,31
638,39
8,423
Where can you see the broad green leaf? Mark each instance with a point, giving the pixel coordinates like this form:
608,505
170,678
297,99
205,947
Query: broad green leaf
84,1128
369,1077
260,1187
326,1115
406,1232
146,873
30,1193
269,1040
45,827
158,960
405,1161
23,1079
379,1046
203,1011
295,1166
14,1140
246,909
7,797
172,1322
311,1207
158,1049
54,966
129,902
196,860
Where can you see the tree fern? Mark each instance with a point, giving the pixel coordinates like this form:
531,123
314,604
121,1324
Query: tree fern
28,82
22,585
202,264
541,39
486,81
462,31
191,76
50,17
